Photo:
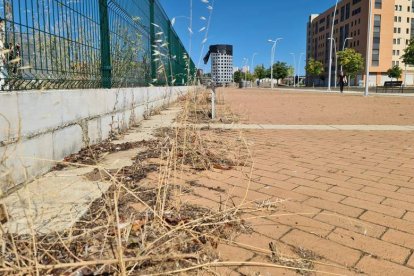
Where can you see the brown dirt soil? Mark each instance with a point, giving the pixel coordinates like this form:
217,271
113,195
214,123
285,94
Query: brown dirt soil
310,108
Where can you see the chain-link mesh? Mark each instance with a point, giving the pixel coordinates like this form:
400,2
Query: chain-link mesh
62,44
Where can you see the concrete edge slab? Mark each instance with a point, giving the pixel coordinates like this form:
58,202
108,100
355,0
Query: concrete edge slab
303,127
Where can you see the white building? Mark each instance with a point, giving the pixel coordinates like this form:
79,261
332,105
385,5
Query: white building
221,63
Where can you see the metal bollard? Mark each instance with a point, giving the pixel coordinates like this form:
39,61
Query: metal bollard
213,100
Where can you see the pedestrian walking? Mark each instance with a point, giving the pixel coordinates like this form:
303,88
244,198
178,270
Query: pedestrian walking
258,83
342,81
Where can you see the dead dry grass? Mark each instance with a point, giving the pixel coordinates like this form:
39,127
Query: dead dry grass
134,228
141,226
198,109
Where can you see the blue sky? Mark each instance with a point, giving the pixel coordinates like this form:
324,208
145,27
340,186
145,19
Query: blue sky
248,24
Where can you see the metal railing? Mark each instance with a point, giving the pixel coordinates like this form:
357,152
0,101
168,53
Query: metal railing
66,44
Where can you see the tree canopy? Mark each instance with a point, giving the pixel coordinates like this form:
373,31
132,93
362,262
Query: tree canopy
291,71
314,68
248,76
351,61
260,72
238,76
408,57
280,70
394,72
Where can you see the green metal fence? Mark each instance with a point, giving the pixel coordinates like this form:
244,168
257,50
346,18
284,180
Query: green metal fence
62,44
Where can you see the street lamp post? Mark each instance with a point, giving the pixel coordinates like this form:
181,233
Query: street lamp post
294,69
255,54
331,45
251,68
343,48
366,93
336,61
272,59
298,72
245,64
344,45
405,75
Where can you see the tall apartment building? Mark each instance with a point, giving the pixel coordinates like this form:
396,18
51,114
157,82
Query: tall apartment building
221,63
392,28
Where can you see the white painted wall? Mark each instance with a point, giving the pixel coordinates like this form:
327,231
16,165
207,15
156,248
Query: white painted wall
384,78
409,79
37,127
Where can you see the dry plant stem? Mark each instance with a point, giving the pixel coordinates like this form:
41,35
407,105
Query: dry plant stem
153,258
101,169
155,245
14,246
236,264
67,249
165,178
267,251
118,232
195,222
279,215
33,237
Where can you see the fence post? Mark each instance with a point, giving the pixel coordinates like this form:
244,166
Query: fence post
152,40
105,45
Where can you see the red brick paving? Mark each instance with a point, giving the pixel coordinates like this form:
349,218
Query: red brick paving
348,196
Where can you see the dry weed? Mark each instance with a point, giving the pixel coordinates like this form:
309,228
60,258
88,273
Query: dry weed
136,227
140,225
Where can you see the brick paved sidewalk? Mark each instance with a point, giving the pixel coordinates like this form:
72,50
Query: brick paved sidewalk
344,199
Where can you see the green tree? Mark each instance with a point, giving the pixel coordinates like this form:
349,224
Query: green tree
280,71
260,72
408,57
238,76
314,68
394,72
291,72
249,76
351,61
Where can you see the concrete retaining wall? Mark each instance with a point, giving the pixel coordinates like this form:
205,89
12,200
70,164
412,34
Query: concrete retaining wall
39,126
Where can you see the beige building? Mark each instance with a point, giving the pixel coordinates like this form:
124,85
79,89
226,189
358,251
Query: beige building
392,29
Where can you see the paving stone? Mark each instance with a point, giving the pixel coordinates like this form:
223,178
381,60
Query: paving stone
263,270
372,246
410,262
391,222
357,194
374,266
325,248
334,207
400,238
352,224
304,223
319,194
376,207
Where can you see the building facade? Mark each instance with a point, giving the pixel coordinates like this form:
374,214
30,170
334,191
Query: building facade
392,28
221,63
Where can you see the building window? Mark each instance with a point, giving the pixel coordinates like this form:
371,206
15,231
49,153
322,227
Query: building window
342,13
347,11
355,12
376,40
378,4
